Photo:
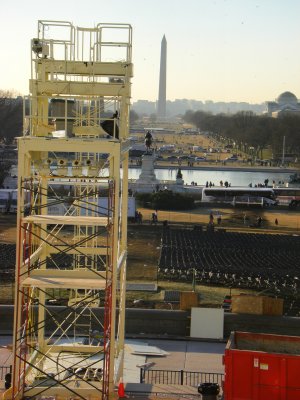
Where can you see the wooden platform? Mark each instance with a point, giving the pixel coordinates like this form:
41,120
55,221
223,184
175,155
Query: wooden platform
65,220
59,282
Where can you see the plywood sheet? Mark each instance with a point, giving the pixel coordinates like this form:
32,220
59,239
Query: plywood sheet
147,350
59,282
66,220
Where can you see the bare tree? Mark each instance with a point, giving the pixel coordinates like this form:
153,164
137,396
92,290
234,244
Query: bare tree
11,115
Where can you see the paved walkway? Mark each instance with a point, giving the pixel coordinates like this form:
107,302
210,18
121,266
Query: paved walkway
193,356
189,355
183,355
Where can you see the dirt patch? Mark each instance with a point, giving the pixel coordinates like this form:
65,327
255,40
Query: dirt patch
8,228
143,252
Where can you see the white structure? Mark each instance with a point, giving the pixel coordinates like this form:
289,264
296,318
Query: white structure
161,104
83,252
148,183
286,103
207,323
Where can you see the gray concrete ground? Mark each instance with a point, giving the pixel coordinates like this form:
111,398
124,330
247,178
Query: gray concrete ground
182,355
5,357
193,356
189,355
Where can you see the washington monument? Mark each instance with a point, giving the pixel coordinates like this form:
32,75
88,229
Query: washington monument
161,105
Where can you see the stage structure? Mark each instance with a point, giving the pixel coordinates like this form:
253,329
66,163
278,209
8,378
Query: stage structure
71,252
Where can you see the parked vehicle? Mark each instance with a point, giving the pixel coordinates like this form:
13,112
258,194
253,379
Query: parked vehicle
232,158
14,201
239,195
287,196
5,196
227,303
182,158
172,158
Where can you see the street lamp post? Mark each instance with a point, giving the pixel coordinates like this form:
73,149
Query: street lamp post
194,280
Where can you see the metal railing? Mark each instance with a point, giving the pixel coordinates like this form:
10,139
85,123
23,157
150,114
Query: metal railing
4,369
188,378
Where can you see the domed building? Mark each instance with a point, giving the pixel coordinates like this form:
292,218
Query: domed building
286,103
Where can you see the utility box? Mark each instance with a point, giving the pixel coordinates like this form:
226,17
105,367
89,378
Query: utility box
188,300
259,305
262,367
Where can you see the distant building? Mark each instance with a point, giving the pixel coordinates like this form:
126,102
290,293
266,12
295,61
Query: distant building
286,103
180,106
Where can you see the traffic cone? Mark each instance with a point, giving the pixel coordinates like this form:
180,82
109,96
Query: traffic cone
121,390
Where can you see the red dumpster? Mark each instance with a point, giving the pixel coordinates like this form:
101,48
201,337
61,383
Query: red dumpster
260,366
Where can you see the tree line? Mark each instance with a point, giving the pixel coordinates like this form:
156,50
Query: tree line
247,129
11,116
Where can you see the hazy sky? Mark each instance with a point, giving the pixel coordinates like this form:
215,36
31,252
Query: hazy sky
220,50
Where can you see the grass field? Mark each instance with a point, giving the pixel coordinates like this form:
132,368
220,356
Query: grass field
144,243
232,217
7,293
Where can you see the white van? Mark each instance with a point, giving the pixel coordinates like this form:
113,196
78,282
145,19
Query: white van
5,196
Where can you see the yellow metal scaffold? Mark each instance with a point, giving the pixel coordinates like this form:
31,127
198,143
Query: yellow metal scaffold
72,214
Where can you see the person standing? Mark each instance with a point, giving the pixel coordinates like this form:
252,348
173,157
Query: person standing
140,218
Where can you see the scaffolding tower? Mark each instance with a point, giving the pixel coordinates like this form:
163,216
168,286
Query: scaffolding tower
72,214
